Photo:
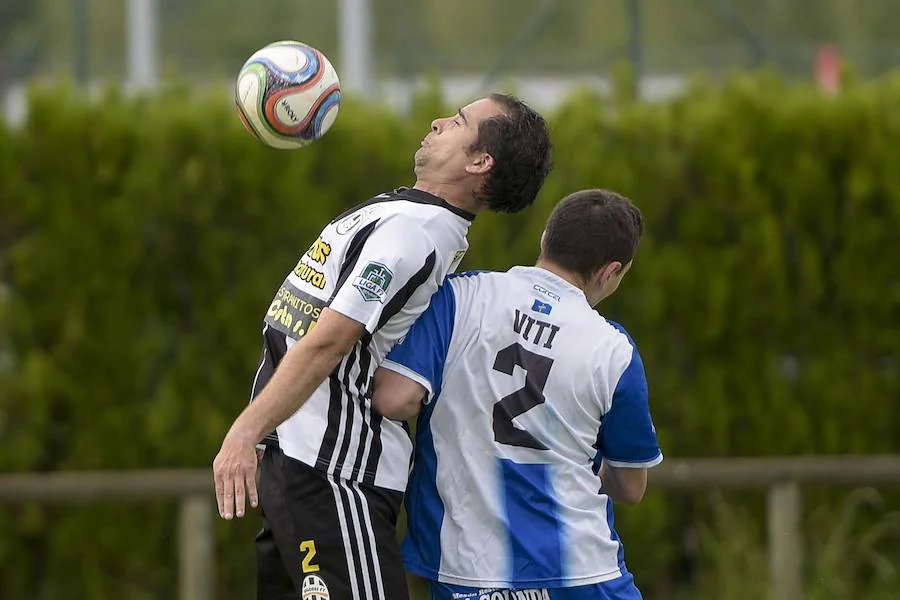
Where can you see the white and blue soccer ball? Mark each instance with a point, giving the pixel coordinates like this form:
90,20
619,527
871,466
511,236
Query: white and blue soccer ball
288,94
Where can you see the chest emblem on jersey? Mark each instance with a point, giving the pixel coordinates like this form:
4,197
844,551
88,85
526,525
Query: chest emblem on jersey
347,225
314,588
373,282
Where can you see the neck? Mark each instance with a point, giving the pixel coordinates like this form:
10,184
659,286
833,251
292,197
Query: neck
453,194
570,277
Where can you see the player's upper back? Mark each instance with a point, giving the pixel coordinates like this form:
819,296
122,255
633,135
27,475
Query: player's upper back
529,338
529,389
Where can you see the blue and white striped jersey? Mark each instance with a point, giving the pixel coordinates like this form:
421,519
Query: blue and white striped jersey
529,388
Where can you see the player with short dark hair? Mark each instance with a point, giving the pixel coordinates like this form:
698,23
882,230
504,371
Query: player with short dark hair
333,471
524,394
592,228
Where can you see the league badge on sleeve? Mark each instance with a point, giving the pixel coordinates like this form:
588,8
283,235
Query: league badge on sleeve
373,282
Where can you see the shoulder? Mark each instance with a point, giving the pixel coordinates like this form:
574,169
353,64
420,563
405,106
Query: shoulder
465,293
619,333
380,209
614,348
398,228
379,231
354,215
469,274
386,215
469,281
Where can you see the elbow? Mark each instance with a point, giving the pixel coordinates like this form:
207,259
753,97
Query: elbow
388,406
398,411
337,349
626,485
632,491
631,497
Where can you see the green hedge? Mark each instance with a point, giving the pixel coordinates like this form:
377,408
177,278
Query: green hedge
141,240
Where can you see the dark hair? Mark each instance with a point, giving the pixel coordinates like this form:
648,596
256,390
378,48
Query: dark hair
519,142
590,229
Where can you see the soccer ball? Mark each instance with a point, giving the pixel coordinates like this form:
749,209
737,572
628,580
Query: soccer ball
287,94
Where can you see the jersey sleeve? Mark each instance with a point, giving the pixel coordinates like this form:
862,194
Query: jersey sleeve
385,264
627,437
421,355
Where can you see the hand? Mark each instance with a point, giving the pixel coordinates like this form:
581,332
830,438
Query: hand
234,470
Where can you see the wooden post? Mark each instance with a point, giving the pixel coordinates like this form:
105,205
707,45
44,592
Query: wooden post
195,548
785,545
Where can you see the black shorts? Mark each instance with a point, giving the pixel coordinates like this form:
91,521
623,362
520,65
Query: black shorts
325,538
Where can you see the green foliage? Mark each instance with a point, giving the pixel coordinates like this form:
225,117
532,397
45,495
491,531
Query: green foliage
848,551
141,240
850,557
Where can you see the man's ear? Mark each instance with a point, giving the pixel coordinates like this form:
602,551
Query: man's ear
608,271
481,163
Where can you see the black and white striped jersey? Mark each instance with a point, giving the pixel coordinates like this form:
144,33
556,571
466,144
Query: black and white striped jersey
379,264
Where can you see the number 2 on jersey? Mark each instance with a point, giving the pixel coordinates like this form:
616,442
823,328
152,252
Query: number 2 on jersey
537,369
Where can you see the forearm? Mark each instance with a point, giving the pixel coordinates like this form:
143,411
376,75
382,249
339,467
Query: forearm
301,371
608,483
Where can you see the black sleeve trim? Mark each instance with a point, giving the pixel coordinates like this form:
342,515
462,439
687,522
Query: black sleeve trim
352,257
403,295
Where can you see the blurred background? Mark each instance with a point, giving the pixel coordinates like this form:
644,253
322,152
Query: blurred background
551,43
143,233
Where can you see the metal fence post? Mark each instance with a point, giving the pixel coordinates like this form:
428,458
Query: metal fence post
143,45
195,548
80,24
356,49
785,545
636,43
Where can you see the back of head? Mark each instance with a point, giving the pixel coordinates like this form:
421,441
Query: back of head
590,229
519,142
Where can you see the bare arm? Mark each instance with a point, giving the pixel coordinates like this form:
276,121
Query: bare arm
301,371
397,397
623,484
